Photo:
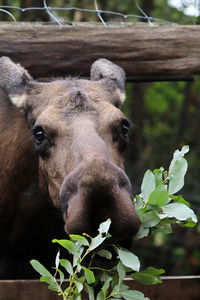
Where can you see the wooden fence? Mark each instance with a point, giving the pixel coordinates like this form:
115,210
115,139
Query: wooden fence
170,289
145,52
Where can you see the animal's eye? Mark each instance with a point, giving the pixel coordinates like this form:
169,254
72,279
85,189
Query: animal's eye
39,135
125,125
124,130
42,143
120,134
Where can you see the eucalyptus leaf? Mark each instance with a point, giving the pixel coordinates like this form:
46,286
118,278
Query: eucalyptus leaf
179,211
148,185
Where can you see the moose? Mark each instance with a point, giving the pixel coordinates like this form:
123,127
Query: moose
61,161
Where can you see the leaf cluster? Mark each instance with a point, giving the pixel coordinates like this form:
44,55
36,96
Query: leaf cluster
83,278
157,206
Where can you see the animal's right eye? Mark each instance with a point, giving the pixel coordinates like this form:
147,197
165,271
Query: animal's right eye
42,143
39,135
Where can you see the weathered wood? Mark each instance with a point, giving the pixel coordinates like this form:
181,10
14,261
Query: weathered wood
145,52
184,289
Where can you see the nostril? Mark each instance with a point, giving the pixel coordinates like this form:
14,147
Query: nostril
68,189
124,182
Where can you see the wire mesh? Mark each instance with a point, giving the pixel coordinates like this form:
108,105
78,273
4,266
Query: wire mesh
53,12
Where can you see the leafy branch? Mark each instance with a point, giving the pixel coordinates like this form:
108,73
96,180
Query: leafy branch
157,206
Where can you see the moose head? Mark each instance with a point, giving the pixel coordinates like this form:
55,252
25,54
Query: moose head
79,135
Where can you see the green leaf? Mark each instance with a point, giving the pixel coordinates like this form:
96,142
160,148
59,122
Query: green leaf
79,285
106,286
179,211
138,202
61,275
67,265
49,280
40,268
69,245
159,196
158,176
100,296
90,291
105,253
176,175
188,223
142,232
179,199
104,227
128,259
148,276
150,219
148,185
89,275
103,231
164,226
121,270
54,287
80,239
133,295
57,259
97,241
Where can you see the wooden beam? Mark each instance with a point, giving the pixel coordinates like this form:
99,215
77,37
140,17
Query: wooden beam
145,52
184,289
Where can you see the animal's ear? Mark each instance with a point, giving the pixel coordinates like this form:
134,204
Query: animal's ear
112,78
13,79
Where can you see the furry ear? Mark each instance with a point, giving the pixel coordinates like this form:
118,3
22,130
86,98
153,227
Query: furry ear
112,77
13,80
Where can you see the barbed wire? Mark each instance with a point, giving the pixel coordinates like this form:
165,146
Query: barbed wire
50,10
